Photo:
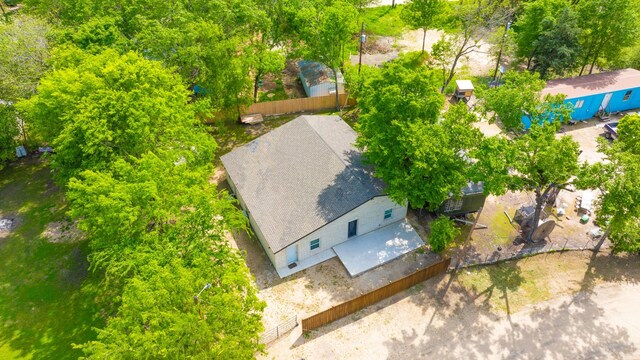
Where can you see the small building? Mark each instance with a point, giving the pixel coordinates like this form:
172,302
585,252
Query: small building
470,200
309,198
318,80
464,89
595,94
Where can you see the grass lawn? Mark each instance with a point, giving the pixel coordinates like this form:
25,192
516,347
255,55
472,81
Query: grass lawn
43,311
512,285
383,21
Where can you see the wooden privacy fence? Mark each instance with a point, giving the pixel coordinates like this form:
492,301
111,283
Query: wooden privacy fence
291,106
362,301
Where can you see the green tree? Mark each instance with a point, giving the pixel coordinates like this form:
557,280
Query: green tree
24,50
157,316
100,108
8,134
557,47
443,232
418,155
531,23
618,179
609,26
329,30
520,97
537,162
420,14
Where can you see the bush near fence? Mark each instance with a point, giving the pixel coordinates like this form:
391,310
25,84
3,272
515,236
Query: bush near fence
292,106
353,305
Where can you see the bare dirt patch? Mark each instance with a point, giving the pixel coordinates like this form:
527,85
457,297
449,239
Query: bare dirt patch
8,223
321,286
590,315
62,232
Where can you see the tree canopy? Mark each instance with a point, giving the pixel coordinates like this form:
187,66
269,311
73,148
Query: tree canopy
419,155
618,179
520,96
95,109
537,162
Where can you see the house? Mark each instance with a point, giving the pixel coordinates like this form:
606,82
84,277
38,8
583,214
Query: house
318,80
471,200
597,93
309,198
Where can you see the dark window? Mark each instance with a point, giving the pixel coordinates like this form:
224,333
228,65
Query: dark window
627,95
315,244
387,213
353,228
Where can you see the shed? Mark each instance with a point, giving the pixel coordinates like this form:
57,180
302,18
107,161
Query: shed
597,94
464,89
317,79
471,199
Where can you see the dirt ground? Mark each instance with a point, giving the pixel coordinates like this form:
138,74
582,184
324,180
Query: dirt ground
478,61
321,286
586,309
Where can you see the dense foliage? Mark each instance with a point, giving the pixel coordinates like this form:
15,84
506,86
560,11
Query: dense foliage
619,181
537,161
520,97
443,232
419,155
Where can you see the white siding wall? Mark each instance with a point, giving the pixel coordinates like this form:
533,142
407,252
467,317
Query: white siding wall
324,88
370,216
256,229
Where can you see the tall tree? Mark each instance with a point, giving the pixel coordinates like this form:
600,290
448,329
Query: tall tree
95,109
475,20
420,157
329,30
420,14
609,26
8,133
537,162
557,47
519,97
530,25
618,179
24,50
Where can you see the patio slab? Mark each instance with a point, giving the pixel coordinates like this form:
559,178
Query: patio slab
377,247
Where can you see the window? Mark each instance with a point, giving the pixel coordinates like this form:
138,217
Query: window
353,228
314,244
453,205
579,104
387,213
627,95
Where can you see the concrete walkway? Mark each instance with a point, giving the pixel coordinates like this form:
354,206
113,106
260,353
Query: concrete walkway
378,247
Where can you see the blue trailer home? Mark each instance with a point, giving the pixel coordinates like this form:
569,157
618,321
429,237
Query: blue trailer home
597,93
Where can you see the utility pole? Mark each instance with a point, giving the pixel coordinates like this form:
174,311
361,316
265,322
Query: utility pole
362,38
504,37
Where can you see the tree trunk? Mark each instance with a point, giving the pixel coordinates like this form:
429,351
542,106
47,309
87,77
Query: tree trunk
451,73
255,88
424,38
393,4
540,201
595,58
602,239
529,61
335,77
586,58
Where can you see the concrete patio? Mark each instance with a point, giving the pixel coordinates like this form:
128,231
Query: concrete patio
378,247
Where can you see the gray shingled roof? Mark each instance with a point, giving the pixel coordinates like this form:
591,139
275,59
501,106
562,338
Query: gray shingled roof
301,176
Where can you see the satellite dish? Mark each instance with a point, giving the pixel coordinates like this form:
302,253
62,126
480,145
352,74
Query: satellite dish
543,231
